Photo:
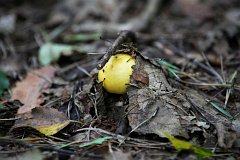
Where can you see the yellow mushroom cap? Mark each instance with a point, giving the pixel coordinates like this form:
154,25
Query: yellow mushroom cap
115,75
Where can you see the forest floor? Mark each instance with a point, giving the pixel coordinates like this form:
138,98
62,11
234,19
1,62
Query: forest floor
182,101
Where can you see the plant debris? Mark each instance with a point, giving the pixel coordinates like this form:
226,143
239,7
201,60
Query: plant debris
29,90
182,101
47,121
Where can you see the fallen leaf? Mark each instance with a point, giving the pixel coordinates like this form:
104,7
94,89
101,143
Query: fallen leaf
52,129
96,141
82,37
50,52
145,100
159,106
48,121
224,112
173,70
28,91
179,145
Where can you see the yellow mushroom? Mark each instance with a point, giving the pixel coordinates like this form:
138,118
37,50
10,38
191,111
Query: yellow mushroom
115,75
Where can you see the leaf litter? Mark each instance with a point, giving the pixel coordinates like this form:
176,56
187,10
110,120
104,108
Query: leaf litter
47,121
29,90
187,95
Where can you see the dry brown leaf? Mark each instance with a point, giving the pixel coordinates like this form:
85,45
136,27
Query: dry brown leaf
48,121
158,106
141,77
157,95
28,91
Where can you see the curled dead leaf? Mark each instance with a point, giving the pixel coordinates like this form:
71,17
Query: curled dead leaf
48,121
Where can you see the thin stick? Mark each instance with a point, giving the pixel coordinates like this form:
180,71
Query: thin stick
139,125
123,37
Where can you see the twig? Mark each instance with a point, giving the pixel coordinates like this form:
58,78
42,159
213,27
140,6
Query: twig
171,49
123,37
139,125
134,141
222,69
229,90
84,71
210,69
10,119
111,151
